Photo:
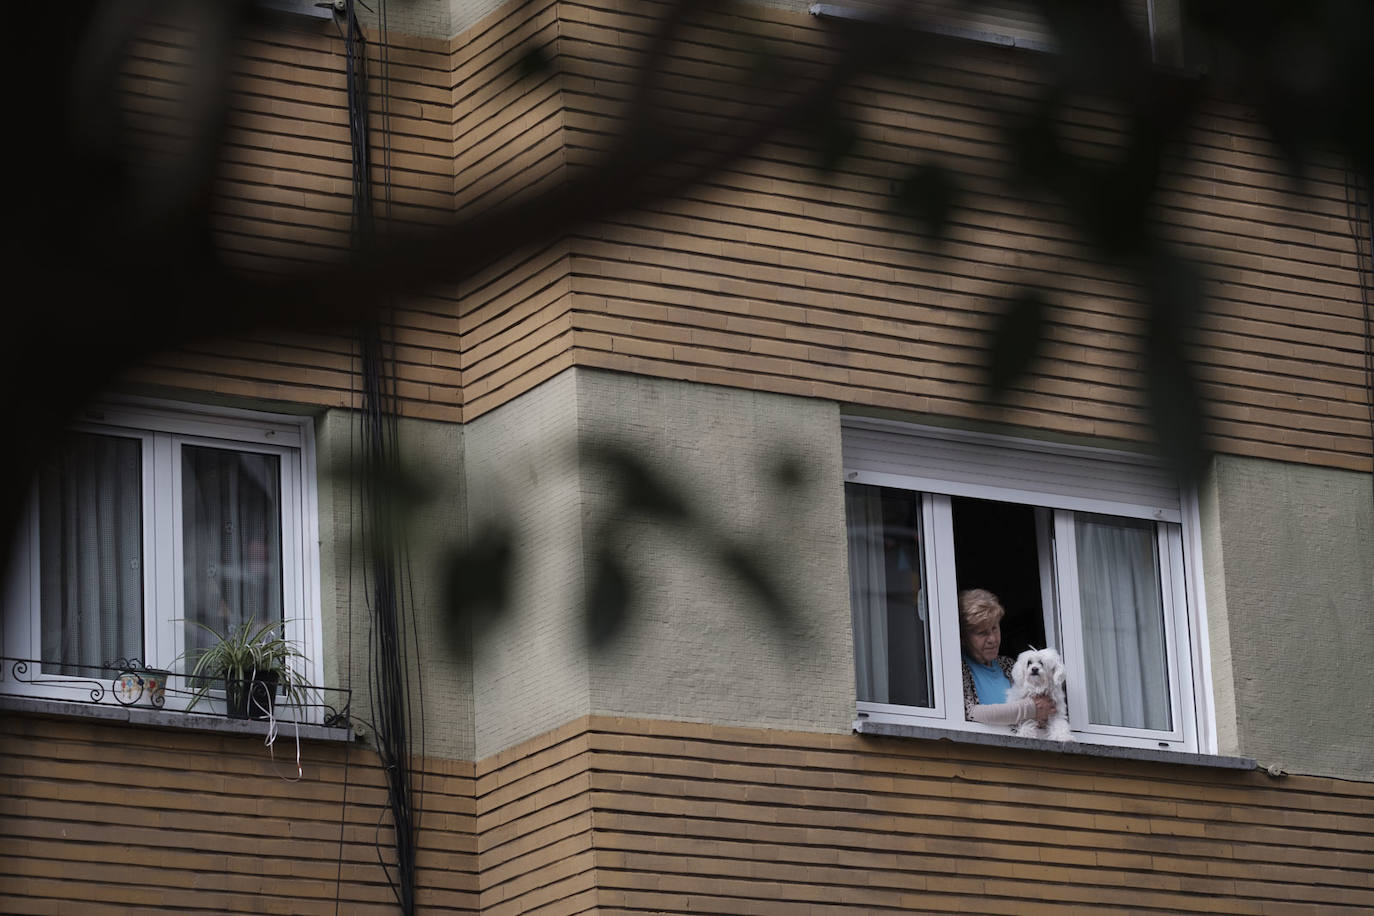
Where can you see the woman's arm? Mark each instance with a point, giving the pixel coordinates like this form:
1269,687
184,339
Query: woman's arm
1038,707
1004,713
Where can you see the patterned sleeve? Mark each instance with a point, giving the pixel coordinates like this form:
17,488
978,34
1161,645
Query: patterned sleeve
970,695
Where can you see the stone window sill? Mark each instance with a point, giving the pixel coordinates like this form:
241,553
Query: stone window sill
927,733
149,717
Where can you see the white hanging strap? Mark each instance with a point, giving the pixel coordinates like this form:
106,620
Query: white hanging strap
271,739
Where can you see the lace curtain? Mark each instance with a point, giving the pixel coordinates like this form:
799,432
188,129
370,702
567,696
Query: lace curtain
91,554
1123,622
231,541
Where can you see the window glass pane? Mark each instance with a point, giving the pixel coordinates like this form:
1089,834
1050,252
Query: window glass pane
231,540
888,595
91,553
1123,622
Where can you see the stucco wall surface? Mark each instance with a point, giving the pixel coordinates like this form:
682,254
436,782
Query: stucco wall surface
1291,640
756,471
434,516
529,662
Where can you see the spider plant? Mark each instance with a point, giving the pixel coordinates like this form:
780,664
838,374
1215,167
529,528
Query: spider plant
249,653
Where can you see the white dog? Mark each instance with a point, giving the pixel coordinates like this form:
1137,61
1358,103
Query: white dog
1041,672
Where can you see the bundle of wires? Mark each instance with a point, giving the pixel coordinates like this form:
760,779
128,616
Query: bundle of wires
392,639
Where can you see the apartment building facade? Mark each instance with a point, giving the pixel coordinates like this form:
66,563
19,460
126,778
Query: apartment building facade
802,368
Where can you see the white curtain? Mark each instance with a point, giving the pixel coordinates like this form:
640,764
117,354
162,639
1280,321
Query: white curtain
867,590
1123,622
231,540
91,554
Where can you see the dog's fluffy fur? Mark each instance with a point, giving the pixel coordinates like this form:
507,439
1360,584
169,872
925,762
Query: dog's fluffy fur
1041,671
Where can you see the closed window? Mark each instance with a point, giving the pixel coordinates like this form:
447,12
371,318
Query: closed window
149,528
1086,550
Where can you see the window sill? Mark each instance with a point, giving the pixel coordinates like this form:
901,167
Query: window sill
928,733
149,717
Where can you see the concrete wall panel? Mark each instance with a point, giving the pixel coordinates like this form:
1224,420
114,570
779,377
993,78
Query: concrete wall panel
529,663
698,647
1291,654
434,525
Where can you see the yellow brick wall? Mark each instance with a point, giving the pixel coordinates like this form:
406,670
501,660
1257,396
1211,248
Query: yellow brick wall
769,276
616,815
99,819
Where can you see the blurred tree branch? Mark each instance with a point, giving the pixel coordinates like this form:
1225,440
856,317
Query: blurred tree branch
121,267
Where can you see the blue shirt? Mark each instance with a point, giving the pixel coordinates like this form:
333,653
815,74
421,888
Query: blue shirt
989,683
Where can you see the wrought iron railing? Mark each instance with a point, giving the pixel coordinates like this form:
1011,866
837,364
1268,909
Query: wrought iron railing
129,682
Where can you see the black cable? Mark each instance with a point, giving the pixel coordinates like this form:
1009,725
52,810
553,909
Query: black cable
388,683
343,812
1355,187
388,593
356,89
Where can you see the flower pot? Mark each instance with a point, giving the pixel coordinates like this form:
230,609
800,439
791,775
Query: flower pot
252,697
155,685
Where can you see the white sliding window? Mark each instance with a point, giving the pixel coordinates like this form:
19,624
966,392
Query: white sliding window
149,524
1085,549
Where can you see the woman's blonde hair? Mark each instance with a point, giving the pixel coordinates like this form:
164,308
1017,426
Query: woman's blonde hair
978,607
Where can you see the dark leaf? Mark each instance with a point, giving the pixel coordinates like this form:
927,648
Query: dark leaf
608,599
1034,144
929,194
789,472
642,489
764,69
745,564
831,137
1175,291
1174,404
1016,338
534,61
477,582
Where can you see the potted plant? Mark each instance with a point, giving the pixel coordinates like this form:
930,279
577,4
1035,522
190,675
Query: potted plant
253,661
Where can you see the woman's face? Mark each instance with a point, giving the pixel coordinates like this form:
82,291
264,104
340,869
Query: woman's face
983,642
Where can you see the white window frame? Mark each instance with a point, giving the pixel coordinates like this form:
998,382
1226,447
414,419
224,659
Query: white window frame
888,454
162,428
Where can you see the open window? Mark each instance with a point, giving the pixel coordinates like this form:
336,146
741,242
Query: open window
1086,550
148,525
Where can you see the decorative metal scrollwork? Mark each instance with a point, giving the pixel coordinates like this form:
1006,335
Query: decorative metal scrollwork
20,672
134,682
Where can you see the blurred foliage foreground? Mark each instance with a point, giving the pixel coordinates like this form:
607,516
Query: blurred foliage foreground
123,263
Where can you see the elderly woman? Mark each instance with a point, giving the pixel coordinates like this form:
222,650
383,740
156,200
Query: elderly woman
987,675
